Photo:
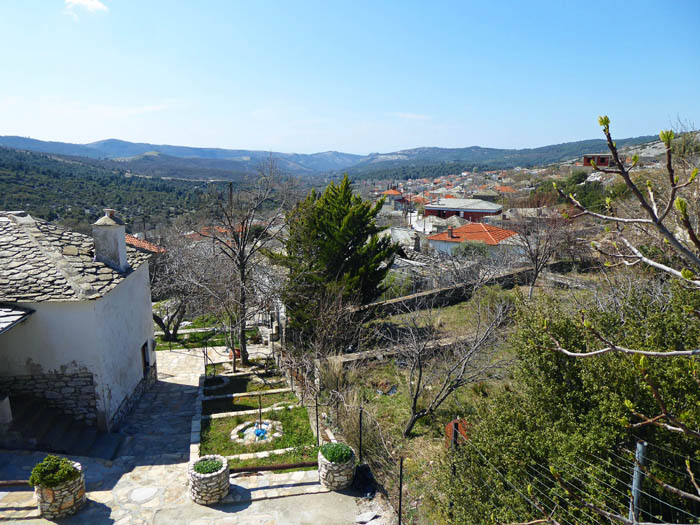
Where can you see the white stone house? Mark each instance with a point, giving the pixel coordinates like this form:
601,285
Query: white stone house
78,331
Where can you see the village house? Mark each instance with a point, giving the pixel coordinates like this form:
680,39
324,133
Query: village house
601,160
497,239
470,209
76,330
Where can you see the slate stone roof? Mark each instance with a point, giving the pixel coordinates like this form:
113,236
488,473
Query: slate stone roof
43,262
12,315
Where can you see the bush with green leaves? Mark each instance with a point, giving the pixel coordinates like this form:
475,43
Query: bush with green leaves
208,466
574,416
53,471
336,452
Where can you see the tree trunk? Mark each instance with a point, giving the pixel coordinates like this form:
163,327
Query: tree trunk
532,284
242,312
411,423
161,324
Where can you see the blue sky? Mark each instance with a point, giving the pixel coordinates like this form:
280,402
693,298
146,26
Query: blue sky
349,76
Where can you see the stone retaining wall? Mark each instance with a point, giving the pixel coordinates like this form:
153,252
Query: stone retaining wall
62,500
208,489
73,394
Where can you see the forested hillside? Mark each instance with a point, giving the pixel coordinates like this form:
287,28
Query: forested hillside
224,164
75,193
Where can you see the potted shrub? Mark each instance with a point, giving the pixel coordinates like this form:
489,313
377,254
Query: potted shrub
336,465
59,486
208,479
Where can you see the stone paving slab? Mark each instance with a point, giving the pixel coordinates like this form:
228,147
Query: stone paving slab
274,407
259,486
257,393
262,454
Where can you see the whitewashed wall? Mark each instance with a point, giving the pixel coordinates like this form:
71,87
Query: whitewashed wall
103,337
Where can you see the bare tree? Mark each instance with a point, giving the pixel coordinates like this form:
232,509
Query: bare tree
170,284
439,364
541,232
245,222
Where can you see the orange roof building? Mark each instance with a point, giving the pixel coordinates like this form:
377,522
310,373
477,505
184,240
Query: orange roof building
143,245
504,189
473,232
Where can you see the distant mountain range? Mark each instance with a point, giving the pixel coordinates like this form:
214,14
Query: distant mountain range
229,164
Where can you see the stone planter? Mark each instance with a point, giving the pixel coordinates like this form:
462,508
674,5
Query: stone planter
62,500
336,476
208,489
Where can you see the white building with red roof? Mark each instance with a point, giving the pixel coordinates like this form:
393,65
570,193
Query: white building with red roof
492,236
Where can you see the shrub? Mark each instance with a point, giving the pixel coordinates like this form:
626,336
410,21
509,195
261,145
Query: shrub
336,452
208,466
53,471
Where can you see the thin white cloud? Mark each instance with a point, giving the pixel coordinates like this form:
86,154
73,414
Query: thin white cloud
411,116
89,5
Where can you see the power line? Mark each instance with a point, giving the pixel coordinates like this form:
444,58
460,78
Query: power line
642,491
609,508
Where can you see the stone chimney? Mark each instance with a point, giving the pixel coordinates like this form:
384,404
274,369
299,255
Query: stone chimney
449,232
110,241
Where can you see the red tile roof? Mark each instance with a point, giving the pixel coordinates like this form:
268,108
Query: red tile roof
475,231
391,192
142,245
504,189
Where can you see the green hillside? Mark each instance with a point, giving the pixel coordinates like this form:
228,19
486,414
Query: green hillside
75,193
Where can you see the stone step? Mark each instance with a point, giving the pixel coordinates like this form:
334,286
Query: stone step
65,440
86,438
106,446
36,426
47,418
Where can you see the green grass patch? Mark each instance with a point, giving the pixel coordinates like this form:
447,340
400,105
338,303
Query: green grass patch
217,406
296,432
298,455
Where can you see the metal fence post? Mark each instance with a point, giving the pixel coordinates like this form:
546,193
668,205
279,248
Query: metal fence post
400,487
260,409
318,435
360,435
637,482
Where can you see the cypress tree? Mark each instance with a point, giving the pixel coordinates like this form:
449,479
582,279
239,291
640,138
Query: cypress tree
333,247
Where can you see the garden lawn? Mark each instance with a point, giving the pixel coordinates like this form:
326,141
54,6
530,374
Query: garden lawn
296,431
216,406
298,455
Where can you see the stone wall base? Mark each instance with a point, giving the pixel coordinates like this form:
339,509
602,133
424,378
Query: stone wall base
73,394
129,401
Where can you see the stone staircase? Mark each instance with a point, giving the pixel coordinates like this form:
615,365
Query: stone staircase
38,427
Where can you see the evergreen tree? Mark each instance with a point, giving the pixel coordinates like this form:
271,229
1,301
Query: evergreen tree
333,250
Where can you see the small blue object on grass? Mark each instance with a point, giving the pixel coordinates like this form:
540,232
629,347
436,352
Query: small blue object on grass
260,433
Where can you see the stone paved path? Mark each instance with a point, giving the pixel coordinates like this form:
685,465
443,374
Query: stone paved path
160,422
146,484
